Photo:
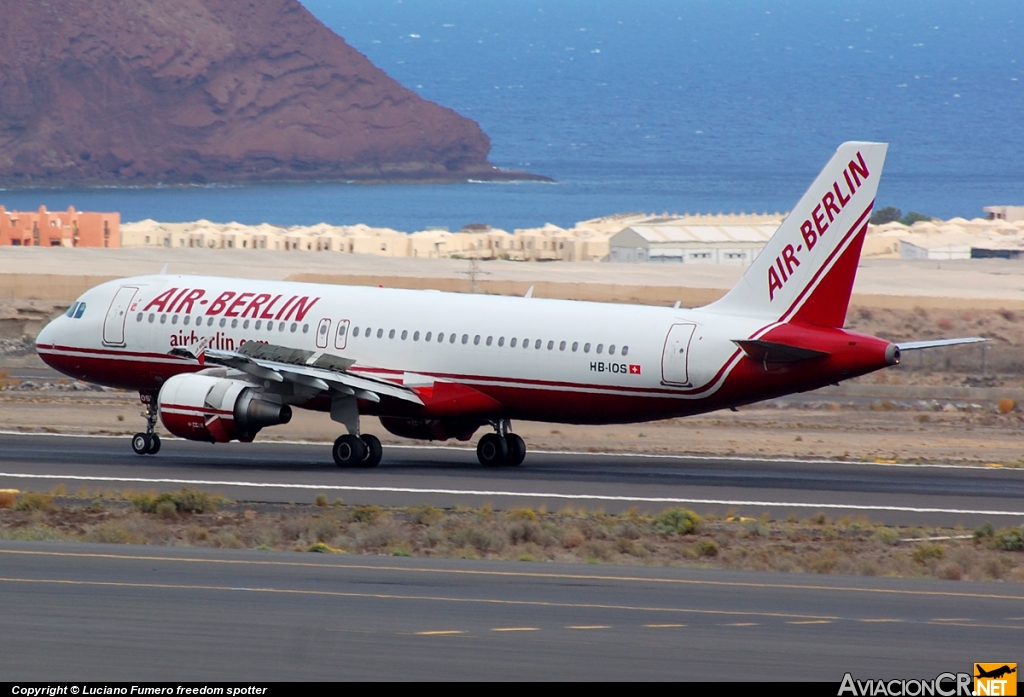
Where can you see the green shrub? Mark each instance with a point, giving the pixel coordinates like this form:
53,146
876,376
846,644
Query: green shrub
426,514
1009,539
925,553
706,548
31,501
184,501
677,521
365,514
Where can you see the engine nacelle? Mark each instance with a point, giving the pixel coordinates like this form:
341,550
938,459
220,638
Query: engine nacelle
214,409
430,429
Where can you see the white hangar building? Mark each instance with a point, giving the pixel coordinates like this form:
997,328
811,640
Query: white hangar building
705,242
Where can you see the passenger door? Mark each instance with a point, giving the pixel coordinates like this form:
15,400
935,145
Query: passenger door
674,358
113,323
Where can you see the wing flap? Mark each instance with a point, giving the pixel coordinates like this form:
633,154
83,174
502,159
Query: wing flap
311,369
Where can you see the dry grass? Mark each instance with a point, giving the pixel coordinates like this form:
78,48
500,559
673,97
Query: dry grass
675,537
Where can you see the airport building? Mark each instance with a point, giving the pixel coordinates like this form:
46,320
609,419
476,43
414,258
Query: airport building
70,228
734,240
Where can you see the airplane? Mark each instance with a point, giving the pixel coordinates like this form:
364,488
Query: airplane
219,359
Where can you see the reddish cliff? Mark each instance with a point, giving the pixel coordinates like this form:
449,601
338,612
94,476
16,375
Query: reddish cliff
140,92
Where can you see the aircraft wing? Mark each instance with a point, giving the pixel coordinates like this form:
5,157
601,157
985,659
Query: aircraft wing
318,370
936,343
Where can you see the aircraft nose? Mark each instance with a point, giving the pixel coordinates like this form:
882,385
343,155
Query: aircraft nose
47,336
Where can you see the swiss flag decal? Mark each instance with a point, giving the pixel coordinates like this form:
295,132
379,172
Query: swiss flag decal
634,369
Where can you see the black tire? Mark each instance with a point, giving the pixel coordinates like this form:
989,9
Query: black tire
374,451
348,451
141,443
154,444
492,450
516,450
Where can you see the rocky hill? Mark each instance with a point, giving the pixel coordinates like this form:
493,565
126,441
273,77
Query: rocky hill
142,92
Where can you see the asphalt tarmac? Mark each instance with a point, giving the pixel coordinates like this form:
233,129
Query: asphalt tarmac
448,476
102,612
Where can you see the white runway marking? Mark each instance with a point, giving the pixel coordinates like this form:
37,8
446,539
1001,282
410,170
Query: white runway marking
649,456
514,494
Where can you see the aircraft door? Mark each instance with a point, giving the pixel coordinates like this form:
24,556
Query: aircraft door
674,358
341,338
113,323
323,333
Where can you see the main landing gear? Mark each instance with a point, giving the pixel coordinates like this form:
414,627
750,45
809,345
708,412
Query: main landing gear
357,451
501,448
147,443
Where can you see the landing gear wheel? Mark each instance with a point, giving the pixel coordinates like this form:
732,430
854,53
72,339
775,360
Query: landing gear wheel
349,451
373,451
492,450
154,444
516,450
141,443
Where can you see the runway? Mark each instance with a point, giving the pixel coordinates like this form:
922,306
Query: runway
100,612
448,476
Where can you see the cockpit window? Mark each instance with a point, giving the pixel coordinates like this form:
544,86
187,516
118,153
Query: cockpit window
76,311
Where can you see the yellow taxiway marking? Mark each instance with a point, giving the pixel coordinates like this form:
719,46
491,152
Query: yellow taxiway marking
440,632
589,626
741,624
882,619
663,626
515,629
976,624
951,619
341,565
810,622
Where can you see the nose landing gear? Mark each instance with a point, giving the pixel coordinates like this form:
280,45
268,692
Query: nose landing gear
501,448
147,443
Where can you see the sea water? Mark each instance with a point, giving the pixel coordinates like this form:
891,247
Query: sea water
686,106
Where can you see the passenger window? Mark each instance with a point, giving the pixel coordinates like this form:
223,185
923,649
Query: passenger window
137,319
234,323
380,333
188,319
611,350
280,326
305,329
440,337
209,322
427,336
152,317
512,343
451,338
489,340
625,350
465,339
163,319
295,325
342,328
561,346
405,334
551,345
526,343
223,321
323,329
368,333
476,340
416,336
391,334
245,324
586,348
537,344
501,341
600,348
575,345
174,319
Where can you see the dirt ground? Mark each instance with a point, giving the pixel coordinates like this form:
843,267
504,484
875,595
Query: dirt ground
885,428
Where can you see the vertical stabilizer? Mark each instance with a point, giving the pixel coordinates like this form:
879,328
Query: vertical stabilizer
806,271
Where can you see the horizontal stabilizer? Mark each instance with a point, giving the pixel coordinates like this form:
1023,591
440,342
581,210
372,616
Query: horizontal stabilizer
936,343
774,352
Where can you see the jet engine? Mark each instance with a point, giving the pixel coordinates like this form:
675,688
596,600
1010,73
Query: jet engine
215,409
430,429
